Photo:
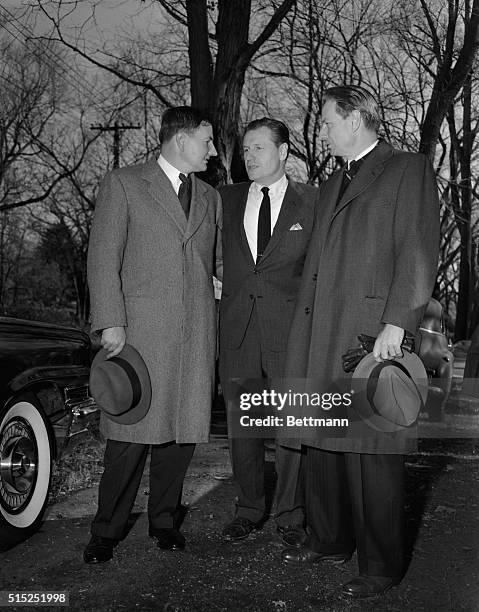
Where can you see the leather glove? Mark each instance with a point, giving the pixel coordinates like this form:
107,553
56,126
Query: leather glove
353,356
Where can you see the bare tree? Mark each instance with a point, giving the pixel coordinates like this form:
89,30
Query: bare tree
220,52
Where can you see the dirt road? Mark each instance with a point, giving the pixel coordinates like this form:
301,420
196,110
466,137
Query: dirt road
443,523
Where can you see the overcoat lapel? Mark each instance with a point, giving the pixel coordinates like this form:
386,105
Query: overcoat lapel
328,197
161,190
372,167
198,207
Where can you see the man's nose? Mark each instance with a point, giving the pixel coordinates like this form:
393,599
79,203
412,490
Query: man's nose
212,151
323,134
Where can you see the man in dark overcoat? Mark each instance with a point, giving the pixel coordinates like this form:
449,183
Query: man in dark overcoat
262,272
151,262
370,270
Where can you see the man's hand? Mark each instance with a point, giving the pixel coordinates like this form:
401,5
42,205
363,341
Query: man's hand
113,340
388,343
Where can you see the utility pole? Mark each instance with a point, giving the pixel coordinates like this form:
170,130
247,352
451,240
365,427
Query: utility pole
116,129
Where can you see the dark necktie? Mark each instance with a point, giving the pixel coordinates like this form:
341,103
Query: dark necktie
348,175
264,224
184,193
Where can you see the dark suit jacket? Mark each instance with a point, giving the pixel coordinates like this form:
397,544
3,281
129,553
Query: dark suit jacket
272,285
372,260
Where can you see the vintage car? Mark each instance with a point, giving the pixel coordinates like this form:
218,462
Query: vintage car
44,407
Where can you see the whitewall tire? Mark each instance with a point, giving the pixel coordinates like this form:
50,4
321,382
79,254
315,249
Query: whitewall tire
25,468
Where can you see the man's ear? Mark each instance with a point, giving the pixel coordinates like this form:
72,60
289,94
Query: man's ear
283,151
180,140
356,120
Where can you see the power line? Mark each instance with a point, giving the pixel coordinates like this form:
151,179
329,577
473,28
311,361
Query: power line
116,128
58,60
50,55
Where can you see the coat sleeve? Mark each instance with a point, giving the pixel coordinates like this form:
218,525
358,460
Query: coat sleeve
416,244
105,255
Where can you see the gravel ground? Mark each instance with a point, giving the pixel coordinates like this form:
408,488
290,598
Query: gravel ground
443,524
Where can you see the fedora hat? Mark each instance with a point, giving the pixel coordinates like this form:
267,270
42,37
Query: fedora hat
121,385
389,395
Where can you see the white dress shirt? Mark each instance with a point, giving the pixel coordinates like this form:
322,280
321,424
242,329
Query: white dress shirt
363,153
171,172
253,203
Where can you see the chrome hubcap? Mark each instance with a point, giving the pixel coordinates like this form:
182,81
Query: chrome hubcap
18,465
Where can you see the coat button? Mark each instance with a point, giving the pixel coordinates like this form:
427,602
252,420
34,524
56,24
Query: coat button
315,277
307,310
251,296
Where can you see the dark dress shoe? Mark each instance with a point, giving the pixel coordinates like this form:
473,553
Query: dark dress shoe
368,586
302,554
292,535
99,550
169,539
239,529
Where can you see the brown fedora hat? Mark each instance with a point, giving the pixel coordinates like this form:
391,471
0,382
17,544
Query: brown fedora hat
121,385
389,395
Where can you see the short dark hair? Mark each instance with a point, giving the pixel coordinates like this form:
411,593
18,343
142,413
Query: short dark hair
353,97
180,119
278,129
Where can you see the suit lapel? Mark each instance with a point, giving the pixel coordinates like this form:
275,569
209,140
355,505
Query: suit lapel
161,190
287,216
239,210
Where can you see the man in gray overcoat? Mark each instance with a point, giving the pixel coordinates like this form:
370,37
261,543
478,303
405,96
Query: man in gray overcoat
151,262
370,269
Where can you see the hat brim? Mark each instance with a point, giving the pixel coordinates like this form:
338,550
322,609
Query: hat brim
139,411
359,385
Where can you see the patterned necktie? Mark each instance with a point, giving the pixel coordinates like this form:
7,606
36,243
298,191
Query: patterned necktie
349,172
264,224
184,193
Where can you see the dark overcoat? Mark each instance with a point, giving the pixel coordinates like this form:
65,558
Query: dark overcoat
372,260
150,270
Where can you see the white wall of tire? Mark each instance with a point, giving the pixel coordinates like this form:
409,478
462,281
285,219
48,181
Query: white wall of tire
29,412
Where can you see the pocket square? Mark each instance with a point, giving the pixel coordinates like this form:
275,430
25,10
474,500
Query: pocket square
295,227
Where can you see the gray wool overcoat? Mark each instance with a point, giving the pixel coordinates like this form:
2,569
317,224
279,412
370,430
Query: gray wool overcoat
372,260
151,271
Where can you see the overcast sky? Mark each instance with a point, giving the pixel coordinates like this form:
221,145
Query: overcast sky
111,18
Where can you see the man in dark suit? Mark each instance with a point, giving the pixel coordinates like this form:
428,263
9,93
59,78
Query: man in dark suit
150,271
266,231
370,270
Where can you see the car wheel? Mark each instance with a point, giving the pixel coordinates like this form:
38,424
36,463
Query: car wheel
25,469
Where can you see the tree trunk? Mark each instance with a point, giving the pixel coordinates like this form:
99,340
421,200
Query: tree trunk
461,193
450,79
201,63
232,35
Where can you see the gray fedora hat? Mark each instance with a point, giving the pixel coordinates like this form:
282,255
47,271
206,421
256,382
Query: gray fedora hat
121,385
389,395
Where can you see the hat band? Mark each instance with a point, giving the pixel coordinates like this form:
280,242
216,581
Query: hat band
134,382
374,379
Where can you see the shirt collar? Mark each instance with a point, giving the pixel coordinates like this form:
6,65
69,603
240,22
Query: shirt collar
364,152
275,188
171,172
